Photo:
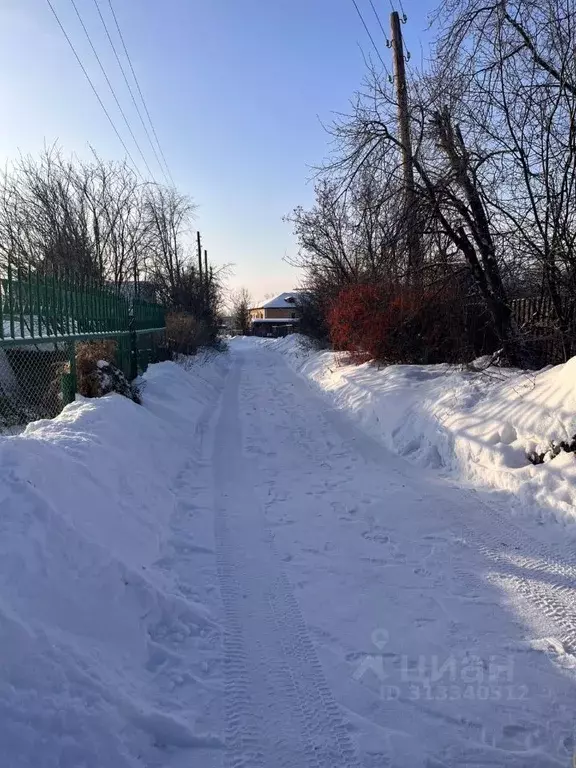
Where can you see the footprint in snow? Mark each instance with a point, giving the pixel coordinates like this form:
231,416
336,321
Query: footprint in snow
377,536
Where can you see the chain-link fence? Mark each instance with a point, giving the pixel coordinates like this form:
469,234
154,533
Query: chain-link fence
37,380
47,324
30,383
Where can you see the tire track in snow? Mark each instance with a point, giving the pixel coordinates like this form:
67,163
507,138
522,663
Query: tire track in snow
519,564
294,441
280,711
545,581
542,576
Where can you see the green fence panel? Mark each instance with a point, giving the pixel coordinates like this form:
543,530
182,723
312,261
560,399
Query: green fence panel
42,317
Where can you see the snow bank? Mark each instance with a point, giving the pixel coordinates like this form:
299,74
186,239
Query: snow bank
85,505
477,427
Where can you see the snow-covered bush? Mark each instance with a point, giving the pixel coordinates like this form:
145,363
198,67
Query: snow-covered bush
542,454
98,375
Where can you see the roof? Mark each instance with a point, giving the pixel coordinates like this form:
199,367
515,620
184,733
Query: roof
280,302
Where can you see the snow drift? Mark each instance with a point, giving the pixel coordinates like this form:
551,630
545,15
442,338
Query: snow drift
87,612
477,427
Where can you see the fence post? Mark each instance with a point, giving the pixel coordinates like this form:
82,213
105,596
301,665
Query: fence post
68,384
145,359
133,344
133,355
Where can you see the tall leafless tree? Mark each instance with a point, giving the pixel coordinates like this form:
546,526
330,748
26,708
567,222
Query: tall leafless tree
241,303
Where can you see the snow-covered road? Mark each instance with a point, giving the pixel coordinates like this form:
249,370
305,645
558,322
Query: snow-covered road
234,575
374,615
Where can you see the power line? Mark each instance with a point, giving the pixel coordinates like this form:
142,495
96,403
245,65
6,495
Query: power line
83,68
359,12
379,20
404,16
139,89
112,91
154,150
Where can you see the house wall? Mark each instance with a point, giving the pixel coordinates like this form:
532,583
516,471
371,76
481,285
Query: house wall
274,314
257,314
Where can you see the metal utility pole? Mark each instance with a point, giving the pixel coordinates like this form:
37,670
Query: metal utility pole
411,214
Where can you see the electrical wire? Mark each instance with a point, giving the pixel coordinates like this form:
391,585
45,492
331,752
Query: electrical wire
378,20
404,17
359,12
124,75
139,89
112,91
83,68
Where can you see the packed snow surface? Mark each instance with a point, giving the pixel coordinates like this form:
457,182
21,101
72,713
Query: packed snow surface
236,574
477,427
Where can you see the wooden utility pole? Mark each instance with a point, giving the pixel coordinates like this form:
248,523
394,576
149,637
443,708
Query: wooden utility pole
206,281
199,242
411,214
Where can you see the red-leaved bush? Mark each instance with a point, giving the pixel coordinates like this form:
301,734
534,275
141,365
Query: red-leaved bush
357,321
391,324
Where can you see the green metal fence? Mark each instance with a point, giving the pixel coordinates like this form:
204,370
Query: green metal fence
44,317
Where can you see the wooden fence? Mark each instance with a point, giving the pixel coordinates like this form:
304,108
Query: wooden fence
545,342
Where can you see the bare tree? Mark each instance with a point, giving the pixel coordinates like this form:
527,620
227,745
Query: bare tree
60,214
241,302
516,64
493,126
169,215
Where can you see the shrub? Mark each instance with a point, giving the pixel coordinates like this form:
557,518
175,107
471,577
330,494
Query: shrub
357,322
394,324
313,307
96,373
184,333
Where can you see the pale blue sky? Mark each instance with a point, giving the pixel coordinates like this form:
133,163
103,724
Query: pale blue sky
236,88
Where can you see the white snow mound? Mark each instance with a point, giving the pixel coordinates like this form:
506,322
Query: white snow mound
476,427
85,609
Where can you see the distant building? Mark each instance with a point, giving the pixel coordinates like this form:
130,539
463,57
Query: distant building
276,317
